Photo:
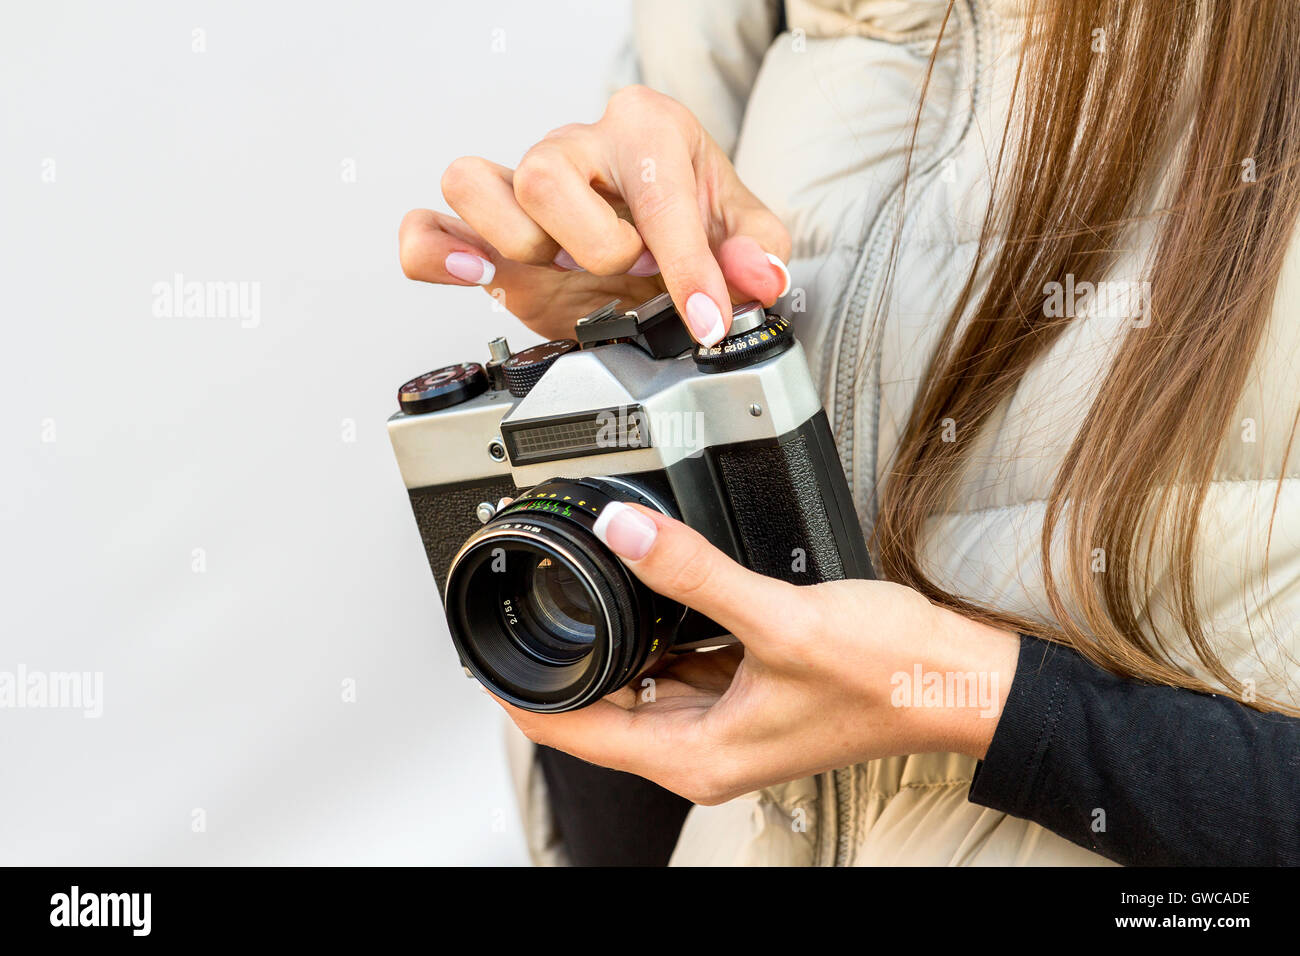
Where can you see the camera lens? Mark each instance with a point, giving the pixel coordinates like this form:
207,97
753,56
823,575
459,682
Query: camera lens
562,610
542,613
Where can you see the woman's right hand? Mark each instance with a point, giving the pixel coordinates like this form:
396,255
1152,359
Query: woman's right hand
640,202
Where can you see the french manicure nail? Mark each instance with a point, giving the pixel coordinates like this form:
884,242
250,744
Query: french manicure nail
470,268
784,272
705,319
625,531
567,262
645,265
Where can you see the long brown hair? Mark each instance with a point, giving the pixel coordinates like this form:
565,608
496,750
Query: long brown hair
1221,78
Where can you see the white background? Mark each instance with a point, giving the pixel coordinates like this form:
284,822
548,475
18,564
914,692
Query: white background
223,689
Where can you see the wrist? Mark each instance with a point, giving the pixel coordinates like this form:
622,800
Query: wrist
969,674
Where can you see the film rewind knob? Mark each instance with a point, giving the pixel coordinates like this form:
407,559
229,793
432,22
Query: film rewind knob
525,369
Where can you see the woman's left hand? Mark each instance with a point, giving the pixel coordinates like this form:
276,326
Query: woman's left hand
825,677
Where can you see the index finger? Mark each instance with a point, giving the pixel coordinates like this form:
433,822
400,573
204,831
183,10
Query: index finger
662,195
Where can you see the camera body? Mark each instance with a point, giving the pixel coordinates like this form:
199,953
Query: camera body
732,440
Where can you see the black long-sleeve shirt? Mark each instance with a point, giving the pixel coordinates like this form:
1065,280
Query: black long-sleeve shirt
1142,774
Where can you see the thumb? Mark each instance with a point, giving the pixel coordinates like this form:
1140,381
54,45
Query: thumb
752,272
676,561
756,248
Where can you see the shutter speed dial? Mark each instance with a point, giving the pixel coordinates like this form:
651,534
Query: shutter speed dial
761,337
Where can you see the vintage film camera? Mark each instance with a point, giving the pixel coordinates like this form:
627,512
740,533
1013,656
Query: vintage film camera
731,439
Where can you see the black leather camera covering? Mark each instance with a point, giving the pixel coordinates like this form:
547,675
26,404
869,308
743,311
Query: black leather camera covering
792,509
447,515
779,513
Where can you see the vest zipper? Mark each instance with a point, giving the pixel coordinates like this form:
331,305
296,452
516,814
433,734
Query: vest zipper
835,844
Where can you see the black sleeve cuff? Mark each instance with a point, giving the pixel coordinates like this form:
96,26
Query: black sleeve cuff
1007,777
1142,773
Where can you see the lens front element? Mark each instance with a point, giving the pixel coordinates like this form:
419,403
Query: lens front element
542,613
561,607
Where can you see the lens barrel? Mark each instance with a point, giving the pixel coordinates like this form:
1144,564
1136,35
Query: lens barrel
542,613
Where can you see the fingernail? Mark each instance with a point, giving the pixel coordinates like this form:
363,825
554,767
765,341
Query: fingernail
567,262
784,272
470,268
645,265
625,531
705,320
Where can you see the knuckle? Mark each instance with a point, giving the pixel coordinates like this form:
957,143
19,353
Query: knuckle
640,104
410,223
636,97
693,570
565,131
538,174
459,177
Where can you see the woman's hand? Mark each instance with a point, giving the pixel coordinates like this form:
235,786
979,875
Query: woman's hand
641,201
829,675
